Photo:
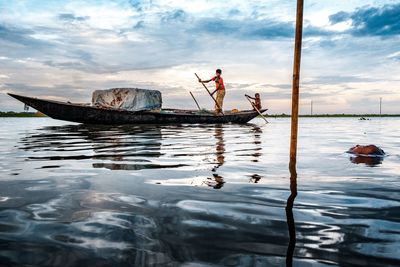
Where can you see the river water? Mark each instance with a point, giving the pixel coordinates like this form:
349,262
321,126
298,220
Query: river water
198,195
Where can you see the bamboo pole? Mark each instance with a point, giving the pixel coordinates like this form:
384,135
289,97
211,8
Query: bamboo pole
296,82
195,100
205,87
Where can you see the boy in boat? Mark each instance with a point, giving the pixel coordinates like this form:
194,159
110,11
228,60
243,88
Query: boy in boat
257,101
220,90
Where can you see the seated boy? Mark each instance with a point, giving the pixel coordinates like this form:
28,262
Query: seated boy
257,101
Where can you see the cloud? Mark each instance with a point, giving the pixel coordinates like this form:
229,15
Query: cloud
33,45
139,25
17,35
255,29
69,17
339,17
19,43
342,79
177,15
234,12
394,56
137,4
371,21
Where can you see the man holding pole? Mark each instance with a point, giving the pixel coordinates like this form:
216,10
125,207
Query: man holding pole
220,90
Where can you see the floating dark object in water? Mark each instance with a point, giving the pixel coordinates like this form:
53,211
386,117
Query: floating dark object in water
367,151
255,178
363,119
370,155
100,114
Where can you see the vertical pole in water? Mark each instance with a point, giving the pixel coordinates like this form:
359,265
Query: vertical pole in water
380,106
296,82
293,134
311,107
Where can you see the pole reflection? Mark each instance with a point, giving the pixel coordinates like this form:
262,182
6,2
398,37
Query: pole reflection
257,131
218,180
289,214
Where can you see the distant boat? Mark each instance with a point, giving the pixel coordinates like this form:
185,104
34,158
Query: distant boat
85,113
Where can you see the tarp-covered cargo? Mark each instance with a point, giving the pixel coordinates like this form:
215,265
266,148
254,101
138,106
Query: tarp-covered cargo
132,99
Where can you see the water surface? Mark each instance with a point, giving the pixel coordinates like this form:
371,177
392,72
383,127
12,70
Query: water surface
197,195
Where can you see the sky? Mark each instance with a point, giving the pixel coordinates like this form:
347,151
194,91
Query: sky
64,50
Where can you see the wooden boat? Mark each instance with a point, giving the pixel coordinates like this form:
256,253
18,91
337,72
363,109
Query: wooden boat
98,115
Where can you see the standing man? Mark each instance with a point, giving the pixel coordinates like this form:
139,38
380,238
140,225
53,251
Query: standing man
220,90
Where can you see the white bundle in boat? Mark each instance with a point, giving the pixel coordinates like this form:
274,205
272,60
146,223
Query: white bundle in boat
133,99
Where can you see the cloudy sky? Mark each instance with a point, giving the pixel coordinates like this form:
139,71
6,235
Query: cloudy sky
66,49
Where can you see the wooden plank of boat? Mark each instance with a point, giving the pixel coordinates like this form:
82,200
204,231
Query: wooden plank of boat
100,115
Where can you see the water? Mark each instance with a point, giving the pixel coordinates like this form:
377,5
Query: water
197,195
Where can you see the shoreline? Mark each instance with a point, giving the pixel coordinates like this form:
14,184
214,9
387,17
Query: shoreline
11,114
335,115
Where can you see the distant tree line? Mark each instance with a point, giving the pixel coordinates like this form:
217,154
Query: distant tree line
21,114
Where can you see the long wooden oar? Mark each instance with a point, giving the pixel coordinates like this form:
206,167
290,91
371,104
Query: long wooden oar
216,103
195,100
262,116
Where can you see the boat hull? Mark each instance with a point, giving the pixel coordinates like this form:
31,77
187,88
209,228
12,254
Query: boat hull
94,115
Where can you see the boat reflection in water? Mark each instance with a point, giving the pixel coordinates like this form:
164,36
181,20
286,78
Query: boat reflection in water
110,147
140,147
131,148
